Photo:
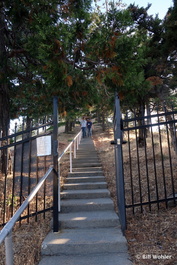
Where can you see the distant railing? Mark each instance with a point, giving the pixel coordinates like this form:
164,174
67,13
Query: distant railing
75,143
72,147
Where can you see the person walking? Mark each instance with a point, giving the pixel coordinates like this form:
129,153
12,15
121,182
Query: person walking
89,127
83,126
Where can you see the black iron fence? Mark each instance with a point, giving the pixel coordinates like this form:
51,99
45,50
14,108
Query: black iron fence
147,164
25,158
23,170
150,160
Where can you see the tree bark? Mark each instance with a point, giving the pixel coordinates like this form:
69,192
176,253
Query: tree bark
4,91
28,127
67,126
103,122
141,123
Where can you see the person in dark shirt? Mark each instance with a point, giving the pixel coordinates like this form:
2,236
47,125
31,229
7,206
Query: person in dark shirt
89,127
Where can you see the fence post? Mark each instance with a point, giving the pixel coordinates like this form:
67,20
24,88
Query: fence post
55,164
0,150
119,164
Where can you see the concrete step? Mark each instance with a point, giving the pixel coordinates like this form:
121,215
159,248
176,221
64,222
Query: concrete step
85,179
85,186
85,194
85,169
90,232
93,219
94,204
87,162
86,165
87,151
89,157
85,148
86,174
95,259
88,145
86,158
82,164
85,241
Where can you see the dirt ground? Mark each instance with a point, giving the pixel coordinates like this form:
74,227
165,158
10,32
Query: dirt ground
28,237
151,236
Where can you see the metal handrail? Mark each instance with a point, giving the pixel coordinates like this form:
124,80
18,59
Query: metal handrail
76,138
76,142
5,233
10,224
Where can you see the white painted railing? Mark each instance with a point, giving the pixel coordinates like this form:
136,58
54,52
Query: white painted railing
72,147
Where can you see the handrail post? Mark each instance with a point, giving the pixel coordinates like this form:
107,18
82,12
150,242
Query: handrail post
9,249
75,148
77,142
80,136
59,197
55,163
70,158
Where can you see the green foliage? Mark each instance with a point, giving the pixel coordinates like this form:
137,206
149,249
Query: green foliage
48,35
83,56
11,201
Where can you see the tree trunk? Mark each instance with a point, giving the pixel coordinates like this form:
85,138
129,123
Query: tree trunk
70,126
172,128
28,126
4,91
103,122
148,119
98,116
67,126
141,122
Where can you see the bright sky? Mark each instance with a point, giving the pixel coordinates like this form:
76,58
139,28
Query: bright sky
157,7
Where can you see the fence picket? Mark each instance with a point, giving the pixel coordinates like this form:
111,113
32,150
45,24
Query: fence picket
156,184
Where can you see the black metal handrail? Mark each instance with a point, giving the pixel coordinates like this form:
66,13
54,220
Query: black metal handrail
26,131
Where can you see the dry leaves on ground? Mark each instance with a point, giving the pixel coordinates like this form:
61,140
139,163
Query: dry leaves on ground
151,236
27,238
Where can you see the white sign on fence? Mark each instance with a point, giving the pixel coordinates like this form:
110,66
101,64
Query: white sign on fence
44,145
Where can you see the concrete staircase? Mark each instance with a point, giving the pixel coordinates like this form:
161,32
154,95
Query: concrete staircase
90,231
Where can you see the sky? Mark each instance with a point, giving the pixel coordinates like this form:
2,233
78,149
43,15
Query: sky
157,7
